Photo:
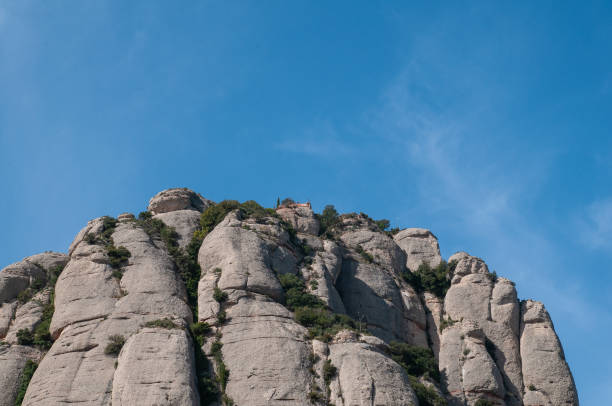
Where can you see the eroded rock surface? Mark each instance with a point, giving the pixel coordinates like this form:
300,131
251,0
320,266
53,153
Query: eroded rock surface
91,305
301,218
548,380
420,246
488,344
177,199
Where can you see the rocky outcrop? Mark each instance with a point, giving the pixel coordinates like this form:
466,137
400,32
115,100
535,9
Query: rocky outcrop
13,359
266,352
368,377
347,333
420,246
156,367
177,199
24,314
92,305
478,296
548,380
301,218
371,285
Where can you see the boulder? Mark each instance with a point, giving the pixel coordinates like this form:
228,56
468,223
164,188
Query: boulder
177,199
420,246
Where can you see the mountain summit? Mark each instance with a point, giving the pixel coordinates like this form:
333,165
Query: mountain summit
200,303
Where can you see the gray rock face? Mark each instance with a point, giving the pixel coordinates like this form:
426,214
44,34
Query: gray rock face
28,315
374,291
155,367
13,359
301,218
420,246
548,380
238,258
477,296
17,277
185,222
15,315
91,305
368,377
488,344
177,199
7,313
266,353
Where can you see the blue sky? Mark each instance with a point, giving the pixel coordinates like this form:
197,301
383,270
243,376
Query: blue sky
489,123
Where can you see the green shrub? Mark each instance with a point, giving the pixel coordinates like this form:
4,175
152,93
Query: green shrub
221,317
328,218
24,337
117,255
200,328
364,254
37,285
329,372
26,377
416,361
382,224
286,201
90,238
484,402
53,274
306,249
115,344
323,324
108,227
427,396
219,295
222,375
162,323
444,323
434,280
215,349
532,387
215,213
392,232
207,387
254,210
25,295
42,336
296,294
315,395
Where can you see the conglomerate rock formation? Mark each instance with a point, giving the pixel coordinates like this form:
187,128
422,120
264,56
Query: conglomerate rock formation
196,303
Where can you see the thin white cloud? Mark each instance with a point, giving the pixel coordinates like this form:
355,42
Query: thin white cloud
477,190
320,140
595,225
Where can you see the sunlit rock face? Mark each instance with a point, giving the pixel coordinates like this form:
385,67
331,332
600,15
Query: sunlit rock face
286,317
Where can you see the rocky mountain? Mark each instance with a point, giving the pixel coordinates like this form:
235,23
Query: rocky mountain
196,303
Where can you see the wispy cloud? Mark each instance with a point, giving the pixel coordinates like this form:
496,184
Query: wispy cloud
481,191
595,224
320,140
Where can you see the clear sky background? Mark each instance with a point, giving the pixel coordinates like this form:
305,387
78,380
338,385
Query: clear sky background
488,123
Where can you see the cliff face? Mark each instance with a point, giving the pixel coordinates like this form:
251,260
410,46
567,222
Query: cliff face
251,306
